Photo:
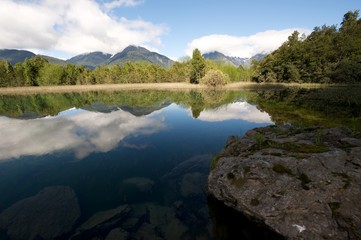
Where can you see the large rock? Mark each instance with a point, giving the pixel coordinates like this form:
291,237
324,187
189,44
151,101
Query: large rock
47,215
105,217
303,184
181,178
102,223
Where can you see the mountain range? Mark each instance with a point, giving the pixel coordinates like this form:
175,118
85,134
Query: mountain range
93,59
130,53
235,61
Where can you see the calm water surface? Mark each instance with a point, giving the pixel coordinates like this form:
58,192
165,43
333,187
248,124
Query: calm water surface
107,172
134,164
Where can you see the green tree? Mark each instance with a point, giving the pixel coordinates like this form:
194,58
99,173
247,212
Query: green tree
349,20
51,74
7,74
179,71
19,79
71,74
32,68
327,55
198,65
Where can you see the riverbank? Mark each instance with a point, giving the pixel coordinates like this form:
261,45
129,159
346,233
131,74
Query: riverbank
107,87
143,86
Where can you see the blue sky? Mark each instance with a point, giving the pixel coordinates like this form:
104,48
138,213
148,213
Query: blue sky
173,28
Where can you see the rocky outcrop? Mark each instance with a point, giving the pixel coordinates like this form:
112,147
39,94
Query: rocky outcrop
47,215
301,183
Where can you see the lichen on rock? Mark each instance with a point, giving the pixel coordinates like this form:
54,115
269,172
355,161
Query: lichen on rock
301,183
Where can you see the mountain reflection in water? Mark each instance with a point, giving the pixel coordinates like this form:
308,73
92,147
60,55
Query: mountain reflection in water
86,132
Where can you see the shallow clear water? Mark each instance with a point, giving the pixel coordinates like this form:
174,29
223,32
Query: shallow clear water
148,171
134,164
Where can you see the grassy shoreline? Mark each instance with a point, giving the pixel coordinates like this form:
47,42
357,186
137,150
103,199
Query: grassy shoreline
110,87
144,86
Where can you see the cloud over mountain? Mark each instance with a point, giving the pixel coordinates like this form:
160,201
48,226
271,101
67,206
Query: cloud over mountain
242,46
73,27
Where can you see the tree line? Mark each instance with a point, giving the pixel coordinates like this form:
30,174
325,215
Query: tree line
38,71
328,55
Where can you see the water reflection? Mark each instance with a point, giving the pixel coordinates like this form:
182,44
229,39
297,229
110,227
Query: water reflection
233,111
77,130
141,177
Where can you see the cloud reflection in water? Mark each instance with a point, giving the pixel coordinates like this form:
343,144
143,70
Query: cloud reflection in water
236,110
78,130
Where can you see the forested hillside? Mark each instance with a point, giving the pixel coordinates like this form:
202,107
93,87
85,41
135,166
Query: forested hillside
330,54
38,71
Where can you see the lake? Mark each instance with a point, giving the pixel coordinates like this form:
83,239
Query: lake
134,164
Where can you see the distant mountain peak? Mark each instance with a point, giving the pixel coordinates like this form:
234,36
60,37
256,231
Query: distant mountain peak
14,56
137,53
236,61
91,59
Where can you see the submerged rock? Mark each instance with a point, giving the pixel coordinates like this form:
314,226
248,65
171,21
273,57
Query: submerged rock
144,185
105,218
47,215
189,178
117,234
101,224
302,184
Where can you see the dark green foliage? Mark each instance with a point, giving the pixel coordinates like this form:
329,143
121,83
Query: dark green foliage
304,180
198,67
327,55
7,74
260,139
313,107
279,168
37,71
32,69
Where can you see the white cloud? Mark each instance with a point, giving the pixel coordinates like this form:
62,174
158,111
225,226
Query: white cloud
73,27
242,46
119,3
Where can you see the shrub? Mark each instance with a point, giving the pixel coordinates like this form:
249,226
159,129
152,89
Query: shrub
215,78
